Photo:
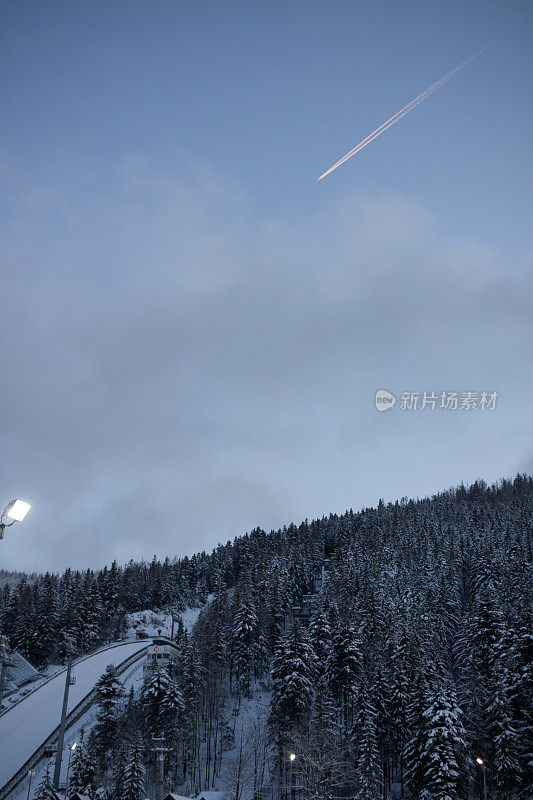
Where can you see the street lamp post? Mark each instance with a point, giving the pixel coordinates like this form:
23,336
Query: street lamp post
482,764
31,774
16,510
292,756
70,752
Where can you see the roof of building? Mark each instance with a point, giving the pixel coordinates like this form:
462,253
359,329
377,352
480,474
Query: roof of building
20,671
210,796
172,796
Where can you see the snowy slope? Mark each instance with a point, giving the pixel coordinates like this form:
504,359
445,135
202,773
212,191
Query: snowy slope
26,726
152,621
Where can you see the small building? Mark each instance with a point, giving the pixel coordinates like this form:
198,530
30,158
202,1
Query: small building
172,796
160,654
19,672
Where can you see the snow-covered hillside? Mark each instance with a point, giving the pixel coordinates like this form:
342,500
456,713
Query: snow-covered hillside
355,644
151,622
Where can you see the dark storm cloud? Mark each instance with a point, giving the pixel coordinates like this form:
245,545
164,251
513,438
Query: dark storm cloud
177,371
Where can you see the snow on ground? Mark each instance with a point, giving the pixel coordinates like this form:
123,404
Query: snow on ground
26,726
151,621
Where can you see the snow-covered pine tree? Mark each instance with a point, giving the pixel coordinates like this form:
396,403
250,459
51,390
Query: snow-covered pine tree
134,776
46,623
172,706
25,632
415,756
119,775
344,670
324,713
87,626
320,633
193,681
293,673
83,772
444,745
109,692
45,790
243,643
506,740
381,697
399,702
364,738
153,694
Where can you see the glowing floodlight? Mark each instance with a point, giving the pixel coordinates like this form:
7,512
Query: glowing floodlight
17,510
292,756
479,761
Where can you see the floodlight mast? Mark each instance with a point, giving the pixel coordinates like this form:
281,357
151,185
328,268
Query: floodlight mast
16,510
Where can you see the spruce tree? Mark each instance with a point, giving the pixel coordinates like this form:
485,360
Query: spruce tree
243,643
154,691
415,755
45,790
172,707
445,742
83,772
368,768
506,741
344,669
292,672
320,633
109,691
134,776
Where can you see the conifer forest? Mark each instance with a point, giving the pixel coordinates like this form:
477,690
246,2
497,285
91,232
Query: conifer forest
386,649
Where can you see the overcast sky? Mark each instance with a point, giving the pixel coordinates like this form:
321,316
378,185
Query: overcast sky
192,329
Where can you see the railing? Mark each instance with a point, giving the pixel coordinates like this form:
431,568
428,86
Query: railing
77,712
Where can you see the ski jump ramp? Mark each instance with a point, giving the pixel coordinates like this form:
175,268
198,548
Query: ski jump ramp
31,724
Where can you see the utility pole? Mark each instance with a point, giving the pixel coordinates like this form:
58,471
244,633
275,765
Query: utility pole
62,725
160,750
7,661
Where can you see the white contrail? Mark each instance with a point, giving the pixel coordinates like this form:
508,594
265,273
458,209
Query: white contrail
406,109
